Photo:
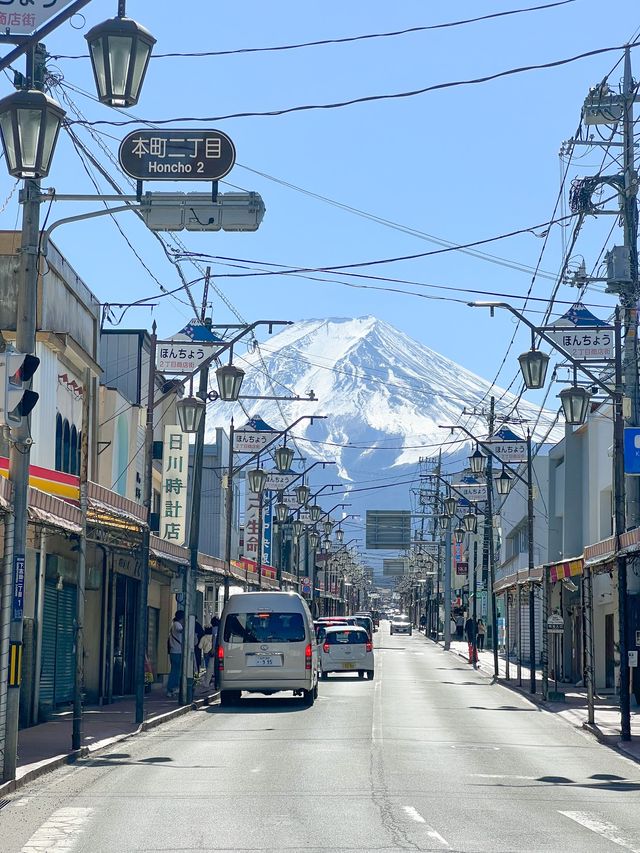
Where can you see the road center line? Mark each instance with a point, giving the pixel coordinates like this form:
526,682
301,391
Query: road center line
414,814
60,832
601,827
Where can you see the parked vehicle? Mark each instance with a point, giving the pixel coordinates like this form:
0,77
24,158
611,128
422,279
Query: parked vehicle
365,622
401,625
347,649
267,644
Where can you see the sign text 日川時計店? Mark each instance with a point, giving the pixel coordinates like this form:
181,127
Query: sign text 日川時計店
177,155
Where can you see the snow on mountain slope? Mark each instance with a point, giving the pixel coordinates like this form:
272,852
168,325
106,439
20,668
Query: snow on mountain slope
384,394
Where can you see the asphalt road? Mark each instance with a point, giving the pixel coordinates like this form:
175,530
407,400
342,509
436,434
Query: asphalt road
428,756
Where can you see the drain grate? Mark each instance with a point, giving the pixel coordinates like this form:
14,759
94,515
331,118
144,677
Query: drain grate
4,803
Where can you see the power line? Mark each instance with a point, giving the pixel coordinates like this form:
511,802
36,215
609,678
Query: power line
346,39
367,98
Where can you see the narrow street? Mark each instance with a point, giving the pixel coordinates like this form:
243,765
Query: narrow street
428,756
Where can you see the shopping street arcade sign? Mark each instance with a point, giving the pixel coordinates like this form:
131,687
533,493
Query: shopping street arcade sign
177,155
18,20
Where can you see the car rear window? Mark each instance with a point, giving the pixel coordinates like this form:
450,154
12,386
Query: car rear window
264,628
352,638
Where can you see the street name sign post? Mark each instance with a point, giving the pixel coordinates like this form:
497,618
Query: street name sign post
177,155
555,627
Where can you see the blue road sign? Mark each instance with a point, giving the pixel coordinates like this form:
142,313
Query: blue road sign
632,450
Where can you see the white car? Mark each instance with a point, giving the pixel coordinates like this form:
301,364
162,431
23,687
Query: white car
347,649
401,625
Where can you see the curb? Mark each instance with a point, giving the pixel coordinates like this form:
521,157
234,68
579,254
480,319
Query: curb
612,741
58,761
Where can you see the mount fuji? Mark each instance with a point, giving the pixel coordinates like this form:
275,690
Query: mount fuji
383,396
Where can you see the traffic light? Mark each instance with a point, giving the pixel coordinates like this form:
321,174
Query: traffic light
16,369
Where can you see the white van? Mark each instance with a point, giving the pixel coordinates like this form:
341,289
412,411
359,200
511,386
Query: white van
266,643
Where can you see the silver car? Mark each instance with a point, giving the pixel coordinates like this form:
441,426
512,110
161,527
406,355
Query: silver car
401,625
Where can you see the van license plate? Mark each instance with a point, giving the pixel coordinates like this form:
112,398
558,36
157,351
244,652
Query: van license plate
273,660
349,665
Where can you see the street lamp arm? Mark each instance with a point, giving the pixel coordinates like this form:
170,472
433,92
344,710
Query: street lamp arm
545,337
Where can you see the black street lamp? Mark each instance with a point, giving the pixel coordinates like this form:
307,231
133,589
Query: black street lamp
458,534
29,123
190,412
504,483
470,522
257,480
314,540
302,494
339,535
296,528
444,522
575,404
315,511
478,462
282,512
283,457
327,526
450,506
533,366
229,379
120,49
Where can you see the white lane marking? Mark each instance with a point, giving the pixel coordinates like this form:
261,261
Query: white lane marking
414,814
601,827
502,776
60,832
257,769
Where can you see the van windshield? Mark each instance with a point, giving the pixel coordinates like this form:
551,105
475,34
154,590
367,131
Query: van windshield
264,628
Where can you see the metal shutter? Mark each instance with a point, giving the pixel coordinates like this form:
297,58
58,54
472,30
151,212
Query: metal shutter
57,671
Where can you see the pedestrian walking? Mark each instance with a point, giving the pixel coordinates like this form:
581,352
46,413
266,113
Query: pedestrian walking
174,648
197,652
211,639
481,632
470,632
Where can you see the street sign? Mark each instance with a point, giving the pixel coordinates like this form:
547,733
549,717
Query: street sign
471,491
462,568
582,335
180,357
18,20
177,155
632,451
633,657
290,500
431,549
555,624
253,436
18,586
276,481
388,529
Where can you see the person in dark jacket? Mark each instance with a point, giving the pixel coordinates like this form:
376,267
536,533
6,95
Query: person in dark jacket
470,633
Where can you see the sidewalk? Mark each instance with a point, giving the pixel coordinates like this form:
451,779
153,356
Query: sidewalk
48,745
574,707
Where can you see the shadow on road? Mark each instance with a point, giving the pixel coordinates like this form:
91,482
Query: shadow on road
262,705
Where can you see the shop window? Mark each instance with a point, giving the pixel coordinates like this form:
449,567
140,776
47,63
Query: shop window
66,446
73,454
58,463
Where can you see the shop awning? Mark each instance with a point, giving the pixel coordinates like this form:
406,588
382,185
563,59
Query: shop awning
163,550
566,569
518,578
53,512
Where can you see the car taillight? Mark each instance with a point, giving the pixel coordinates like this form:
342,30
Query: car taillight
220,658
308,655
369,647
325,648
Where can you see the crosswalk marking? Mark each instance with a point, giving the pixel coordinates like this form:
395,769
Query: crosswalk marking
60,832
603,828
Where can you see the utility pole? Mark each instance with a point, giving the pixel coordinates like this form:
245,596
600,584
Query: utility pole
229,516
488,561
531,566
78,687
188,635
629,295
147,500
20,444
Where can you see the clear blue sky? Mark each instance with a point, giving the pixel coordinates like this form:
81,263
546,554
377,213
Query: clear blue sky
461,164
